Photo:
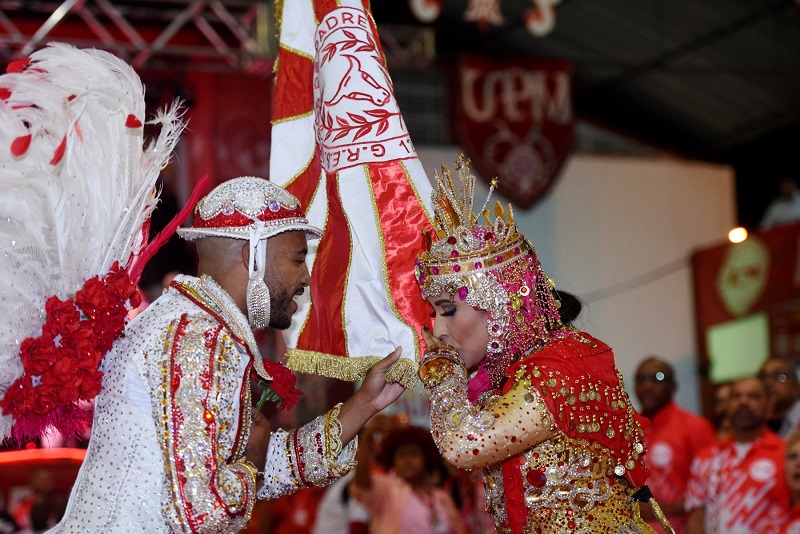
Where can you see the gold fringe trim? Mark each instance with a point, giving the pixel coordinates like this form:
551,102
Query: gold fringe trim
297,51
294,118
278,30
644,528
403,371
279,13
662,519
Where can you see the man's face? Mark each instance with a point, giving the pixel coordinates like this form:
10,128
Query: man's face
286,275
781,383
655,385
749,404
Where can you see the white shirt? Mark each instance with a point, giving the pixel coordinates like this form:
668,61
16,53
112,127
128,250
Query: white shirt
782,211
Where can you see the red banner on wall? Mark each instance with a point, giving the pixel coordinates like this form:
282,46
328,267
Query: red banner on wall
514,117
760,274
735,283
229,125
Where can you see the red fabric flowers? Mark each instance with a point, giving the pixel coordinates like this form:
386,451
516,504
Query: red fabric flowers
61,365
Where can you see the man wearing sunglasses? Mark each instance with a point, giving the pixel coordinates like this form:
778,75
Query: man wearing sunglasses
780,377
673,438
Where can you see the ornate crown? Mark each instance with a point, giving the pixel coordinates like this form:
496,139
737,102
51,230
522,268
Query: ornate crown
462,246
491,267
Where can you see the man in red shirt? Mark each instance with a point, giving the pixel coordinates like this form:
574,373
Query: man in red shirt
737,486
673,439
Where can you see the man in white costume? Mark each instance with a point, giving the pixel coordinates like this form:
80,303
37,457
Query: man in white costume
176,446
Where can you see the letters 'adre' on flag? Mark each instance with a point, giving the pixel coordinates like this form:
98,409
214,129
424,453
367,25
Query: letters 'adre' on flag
340,145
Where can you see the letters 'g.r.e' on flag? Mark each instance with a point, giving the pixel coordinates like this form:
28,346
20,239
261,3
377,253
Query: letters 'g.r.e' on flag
340,145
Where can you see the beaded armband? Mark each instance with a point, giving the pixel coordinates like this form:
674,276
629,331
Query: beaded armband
438,364
317,447
445,376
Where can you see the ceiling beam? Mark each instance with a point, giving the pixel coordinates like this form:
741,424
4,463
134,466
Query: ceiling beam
226,35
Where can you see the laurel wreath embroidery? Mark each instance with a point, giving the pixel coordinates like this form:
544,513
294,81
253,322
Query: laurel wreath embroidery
362,125
329,51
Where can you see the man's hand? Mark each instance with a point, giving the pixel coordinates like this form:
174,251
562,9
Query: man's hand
258,443
375,389
374,395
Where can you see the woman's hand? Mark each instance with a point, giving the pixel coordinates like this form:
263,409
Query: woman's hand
440,361
432,342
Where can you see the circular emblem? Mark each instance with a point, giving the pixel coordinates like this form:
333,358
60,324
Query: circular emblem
228,209
763,470
743,275
660,454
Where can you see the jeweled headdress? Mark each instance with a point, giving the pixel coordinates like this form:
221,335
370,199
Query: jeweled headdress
242,206
492,267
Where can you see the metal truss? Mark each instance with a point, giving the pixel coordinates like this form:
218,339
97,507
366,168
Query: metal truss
222,35
409,47
219,35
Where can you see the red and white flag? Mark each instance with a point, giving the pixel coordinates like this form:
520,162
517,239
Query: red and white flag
340,145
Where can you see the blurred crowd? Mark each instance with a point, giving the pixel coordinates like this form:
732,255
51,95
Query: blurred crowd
737,472
400,485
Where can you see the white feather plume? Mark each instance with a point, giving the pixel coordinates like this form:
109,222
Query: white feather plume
63,223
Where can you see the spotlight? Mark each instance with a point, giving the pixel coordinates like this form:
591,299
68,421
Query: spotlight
737,235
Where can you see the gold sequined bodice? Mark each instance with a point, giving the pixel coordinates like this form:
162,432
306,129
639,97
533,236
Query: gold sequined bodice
568,485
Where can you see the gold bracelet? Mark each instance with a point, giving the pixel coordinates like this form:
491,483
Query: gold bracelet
333,434
442,352
250,468
438,365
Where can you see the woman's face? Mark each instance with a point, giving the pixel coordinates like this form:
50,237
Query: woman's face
463,327
793,469
409,462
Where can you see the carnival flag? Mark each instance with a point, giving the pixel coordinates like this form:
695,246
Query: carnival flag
340,145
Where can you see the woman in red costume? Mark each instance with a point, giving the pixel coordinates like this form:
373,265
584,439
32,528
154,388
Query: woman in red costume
539,406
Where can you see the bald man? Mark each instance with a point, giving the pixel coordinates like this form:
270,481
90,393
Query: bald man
737,486
673,439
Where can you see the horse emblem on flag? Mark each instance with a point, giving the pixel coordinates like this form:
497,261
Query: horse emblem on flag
359,121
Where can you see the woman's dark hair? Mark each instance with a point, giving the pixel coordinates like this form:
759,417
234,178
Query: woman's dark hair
570,308
410,435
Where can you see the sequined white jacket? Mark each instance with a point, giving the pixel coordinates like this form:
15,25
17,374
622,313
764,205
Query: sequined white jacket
173,417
